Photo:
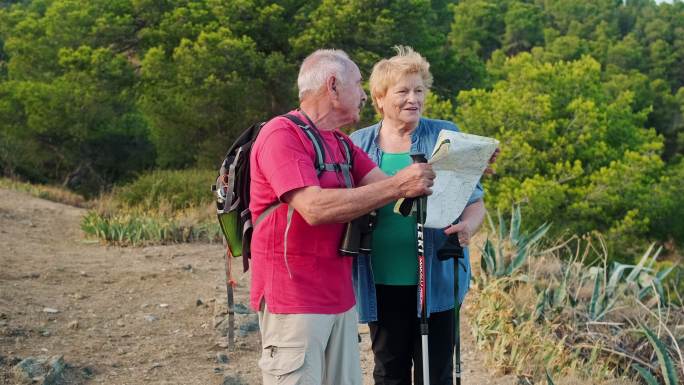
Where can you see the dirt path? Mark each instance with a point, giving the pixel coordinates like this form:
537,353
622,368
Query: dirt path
126,315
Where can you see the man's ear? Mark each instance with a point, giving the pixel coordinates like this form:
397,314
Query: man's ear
332,84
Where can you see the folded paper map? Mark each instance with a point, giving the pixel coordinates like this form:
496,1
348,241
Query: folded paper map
458,160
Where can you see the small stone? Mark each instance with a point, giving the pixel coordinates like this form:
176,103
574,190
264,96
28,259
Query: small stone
45,333
163,305
187,267
144,305
218,370
233,380
151,318
83,274
249,326
239,308
221,358
155,365
27,369
56,368
50,310
199,302
87,372
120,323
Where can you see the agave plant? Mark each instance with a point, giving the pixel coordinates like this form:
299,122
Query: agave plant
667,366
508,250
642,281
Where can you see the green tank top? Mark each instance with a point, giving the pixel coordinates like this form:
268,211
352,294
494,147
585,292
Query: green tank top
394,256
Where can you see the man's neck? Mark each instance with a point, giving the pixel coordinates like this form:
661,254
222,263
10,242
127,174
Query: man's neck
322,115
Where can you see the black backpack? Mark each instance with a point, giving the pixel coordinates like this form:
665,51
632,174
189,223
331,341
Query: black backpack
233,184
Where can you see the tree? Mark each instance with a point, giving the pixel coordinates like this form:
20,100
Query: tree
523,28
201,96
571,145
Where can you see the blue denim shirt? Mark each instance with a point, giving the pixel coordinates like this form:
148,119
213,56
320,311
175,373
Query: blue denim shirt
439,275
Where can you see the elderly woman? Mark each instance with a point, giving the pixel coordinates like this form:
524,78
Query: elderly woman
386,282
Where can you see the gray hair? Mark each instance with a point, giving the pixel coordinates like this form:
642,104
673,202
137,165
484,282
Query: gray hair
320,65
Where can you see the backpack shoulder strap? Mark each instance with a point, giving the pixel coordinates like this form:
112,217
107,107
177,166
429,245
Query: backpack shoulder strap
319,162
347,148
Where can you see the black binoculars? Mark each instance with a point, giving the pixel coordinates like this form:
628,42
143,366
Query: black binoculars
358,235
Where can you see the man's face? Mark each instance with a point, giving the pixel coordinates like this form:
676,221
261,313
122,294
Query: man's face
351,95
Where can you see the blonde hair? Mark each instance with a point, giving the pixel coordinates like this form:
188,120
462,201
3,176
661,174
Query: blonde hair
318,66
386,72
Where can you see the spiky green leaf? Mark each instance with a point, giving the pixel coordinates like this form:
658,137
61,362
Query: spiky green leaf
489,257
515,224
549,380
594,306
502,226
615,276
645,374
539,307
662,274
519,259
560,295
634,274
535,237
664,359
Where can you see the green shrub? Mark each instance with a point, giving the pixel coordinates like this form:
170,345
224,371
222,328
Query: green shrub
138,228
179,189
159,207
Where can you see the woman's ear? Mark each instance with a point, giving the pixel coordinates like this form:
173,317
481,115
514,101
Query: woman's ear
379,103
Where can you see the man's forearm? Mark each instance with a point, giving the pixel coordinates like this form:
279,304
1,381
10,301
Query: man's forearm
320,205
342,205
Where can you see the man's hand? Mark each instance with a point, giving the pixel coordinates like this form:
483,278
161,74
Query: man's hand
415,180
464,232
489,170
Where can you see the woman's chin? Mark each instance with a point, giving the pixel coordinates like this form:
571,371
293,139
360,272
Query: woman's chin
412,119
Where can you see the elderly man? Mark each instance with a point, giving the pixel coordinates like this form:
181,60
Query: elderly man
301,284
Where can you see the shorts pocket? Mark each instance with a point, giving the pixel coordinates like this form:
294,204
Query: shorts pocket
281,359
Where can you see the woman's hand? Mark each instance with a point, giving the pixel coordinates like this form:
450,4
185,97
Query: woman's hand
464,232
489,170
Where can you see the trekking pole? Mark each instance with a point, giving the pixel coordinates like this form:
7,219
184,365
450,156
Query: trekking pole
452,249
457,310
230,283
421,203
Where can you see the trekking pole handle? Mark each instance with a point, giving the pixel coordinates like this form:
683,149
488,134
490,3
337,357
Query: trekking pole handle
419,158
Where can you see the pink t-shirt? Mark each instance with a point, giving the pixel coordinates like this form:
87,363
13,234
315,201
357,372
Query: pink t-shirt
282,160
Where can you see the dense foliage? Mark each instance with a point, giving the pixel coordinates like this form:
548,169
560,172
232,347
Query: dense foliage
587,96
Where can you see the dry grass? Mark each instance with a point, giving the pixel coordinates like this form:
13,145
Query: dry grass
51,193
540,318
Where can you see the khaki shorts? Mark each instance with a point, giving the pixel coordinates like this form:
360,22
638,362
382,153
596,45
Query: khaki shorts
310,349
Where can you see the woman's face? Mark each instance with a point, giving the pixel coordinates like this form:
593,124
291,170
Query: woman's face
403,102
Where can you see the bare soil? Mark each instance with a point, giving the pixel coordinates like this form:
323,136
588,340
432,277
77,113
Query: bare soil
148,315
